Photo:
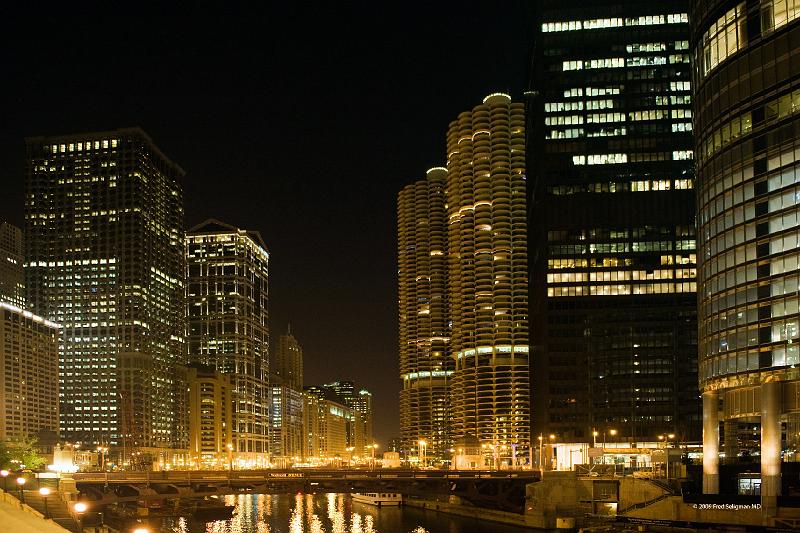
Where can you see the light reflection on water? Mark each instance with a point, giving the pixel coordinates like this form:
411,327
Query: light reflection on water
328,513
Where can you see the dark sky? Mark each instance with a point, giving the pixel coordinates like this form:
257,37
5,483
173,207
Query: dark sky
301,121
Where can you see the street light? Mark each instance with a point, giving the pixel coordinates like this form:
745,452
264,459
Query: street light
79,509
45,492
4,473
141,530
552,445
21,482
541,455
230,456
422,445
102,451
373,447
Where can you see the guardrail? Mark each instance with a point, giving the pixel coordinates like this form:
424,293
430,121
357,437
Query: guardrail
252,475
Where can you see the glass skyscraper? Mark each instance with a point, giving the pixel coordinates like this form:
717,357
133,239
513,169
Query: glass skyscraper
747,68
104,258
611,210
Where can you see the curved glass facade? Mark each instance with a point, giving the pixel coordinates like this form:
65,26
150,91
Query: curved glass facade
747,67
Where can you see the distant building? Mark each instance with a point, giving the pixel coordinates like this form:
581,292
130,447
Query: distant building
326,428
227,298
28,374
211,404
426,364
287,363
747,138
104,258
359,404
286,419
12,275
613,257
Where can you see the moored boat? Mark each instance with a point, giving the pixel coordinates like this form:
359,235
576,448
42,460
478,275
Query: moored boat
379,499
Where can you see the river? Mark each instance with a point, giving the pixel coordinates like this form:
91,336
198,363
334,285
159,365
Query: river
330,513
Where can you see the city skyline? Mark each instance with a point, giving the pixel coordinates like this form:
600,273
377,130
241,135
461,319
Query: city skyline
370,134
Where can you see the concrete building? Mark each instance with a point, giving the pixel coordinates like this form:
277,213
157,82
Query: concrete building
611,189
211,404
746,97
286,419
28,374
12,275
227,298
104,258
487,279
287,362
359,418
325,424
426,365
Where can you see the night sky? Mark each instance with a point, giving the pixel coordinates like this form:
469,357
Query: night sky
299,121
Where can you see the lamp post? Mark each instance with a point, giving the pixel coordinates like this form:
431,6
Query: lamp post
553,449
45,492
230,457
21,482
79,509
4,473
422,445
101,450
666,438
541,454
373,447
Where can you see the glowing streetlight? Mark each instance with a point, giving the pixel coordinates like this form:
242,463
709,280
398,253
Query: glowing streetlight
141,530
45,492
230,456
79,509
372,448
21,482
422,445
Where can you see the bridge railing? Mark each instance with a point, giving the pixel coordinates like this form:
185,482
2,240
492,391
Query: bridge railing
245,475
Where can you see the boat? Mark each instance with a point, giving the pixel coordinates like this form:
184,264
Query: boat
379,499
211,510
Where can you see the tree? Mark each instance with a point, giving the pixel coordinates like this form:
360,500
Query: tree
15,454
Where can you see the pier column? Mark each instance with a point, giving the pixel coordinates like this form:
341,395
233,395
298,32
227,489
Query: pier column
771,407
711,442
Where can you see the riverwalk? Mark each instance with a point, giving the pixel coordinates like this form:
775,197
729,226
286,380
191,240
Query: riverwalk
22,519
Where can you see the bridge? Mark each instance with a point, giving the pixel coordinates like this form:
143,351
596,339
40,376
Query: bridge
502,490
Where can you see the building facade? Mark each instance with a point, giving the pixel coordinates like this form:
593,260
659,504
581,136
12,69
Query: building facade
325,424
12,275
211,404
104,258
487,279
611,209
358,414
287,363
28,374
747,126
426,365
227,297
286,419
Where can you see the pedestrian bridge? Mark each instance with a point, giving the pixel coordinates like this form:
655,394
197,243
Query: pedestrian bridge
503,490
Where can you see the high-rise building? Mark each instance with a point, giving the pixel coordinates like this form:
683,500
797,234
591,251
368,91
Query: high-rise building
286,420
359,414
104,258
287,363
28,374
12,275
227,296
426,365
325,423
747,127
211,403
611,209
487,281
